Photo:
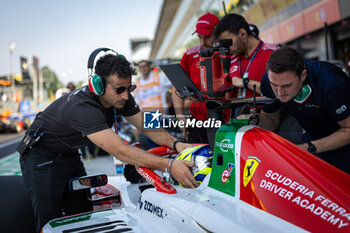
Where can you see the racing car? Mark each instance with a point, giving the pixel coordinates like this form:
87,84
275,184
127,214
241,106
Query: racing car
259,182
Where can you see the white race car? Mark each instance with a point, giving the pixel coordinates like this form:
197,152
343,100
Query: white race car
259,182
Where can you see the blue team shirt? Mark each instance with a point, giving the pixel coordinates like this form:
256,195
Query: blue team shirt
328,103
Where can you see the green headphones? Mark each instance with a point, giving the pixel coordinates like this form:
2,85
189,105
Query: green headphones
97,83
303,94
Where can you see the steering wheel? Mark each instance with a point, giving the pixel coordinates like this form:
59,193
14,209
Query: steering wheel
159,183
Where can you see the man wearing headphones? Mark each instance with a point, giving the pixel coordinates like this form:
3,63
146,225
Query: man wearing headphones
317,94
87,114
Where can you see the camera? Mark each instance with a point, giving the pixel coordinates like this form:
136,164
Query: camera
215,70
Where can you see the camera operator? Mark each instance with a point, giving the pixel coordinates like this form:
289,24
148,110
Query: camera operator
249,55
190,63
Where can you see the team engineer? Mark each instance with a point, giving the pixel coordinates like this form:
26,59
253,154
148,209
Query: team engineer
317,94
70,123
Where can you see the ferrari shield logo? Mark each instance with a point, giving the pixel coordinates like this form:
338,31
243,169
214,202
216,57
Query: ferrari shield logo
249,168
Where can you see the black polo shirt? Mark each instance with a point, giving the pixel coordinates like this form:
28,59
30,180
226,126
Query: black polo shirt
320,113
69,119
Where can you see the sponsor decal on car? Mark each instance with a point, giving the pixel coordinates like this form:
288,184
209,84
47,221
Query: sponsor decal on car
230,168
307,199
80,218
249,169
146,176
225,176
224,145
151,208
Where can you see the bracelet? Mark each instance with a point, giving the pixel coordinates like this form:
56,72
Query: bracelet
174,145
168,169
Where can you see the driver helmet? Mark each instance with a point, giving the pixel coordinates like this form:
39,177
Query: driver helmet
202,156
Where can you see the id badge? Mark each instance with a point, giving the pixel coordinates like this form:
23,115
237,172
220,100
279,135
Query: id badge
245,75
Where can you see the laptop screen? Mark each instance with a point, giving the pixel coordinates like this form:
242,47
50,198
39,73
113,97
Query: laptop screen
180,80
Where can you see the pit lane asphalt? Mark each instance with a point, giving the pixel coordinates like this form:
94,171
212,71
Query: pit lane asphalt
9,158
9,143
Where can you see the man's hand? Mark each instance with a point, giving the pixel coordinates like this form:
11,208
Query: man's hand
303,146
237,82
180,146
181,172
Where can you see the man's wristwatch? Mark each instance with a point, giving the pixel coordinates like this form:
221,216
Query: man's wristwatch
245,82
174,145
312,148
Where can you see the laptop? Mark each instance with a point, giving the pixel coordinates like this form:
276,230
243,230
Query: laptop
180,80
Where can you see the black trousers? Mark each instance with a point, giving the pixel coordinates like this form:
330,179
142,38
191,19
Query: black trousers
46,175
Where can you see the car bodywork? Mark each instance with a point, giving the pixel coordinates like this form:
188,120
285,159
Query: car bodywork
260,182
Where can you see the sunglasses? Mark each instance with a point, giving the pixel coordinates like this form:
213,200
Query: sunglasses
120,90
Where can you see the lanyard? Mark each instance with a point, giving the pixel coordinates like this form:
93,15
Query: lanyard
250,62
115,120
